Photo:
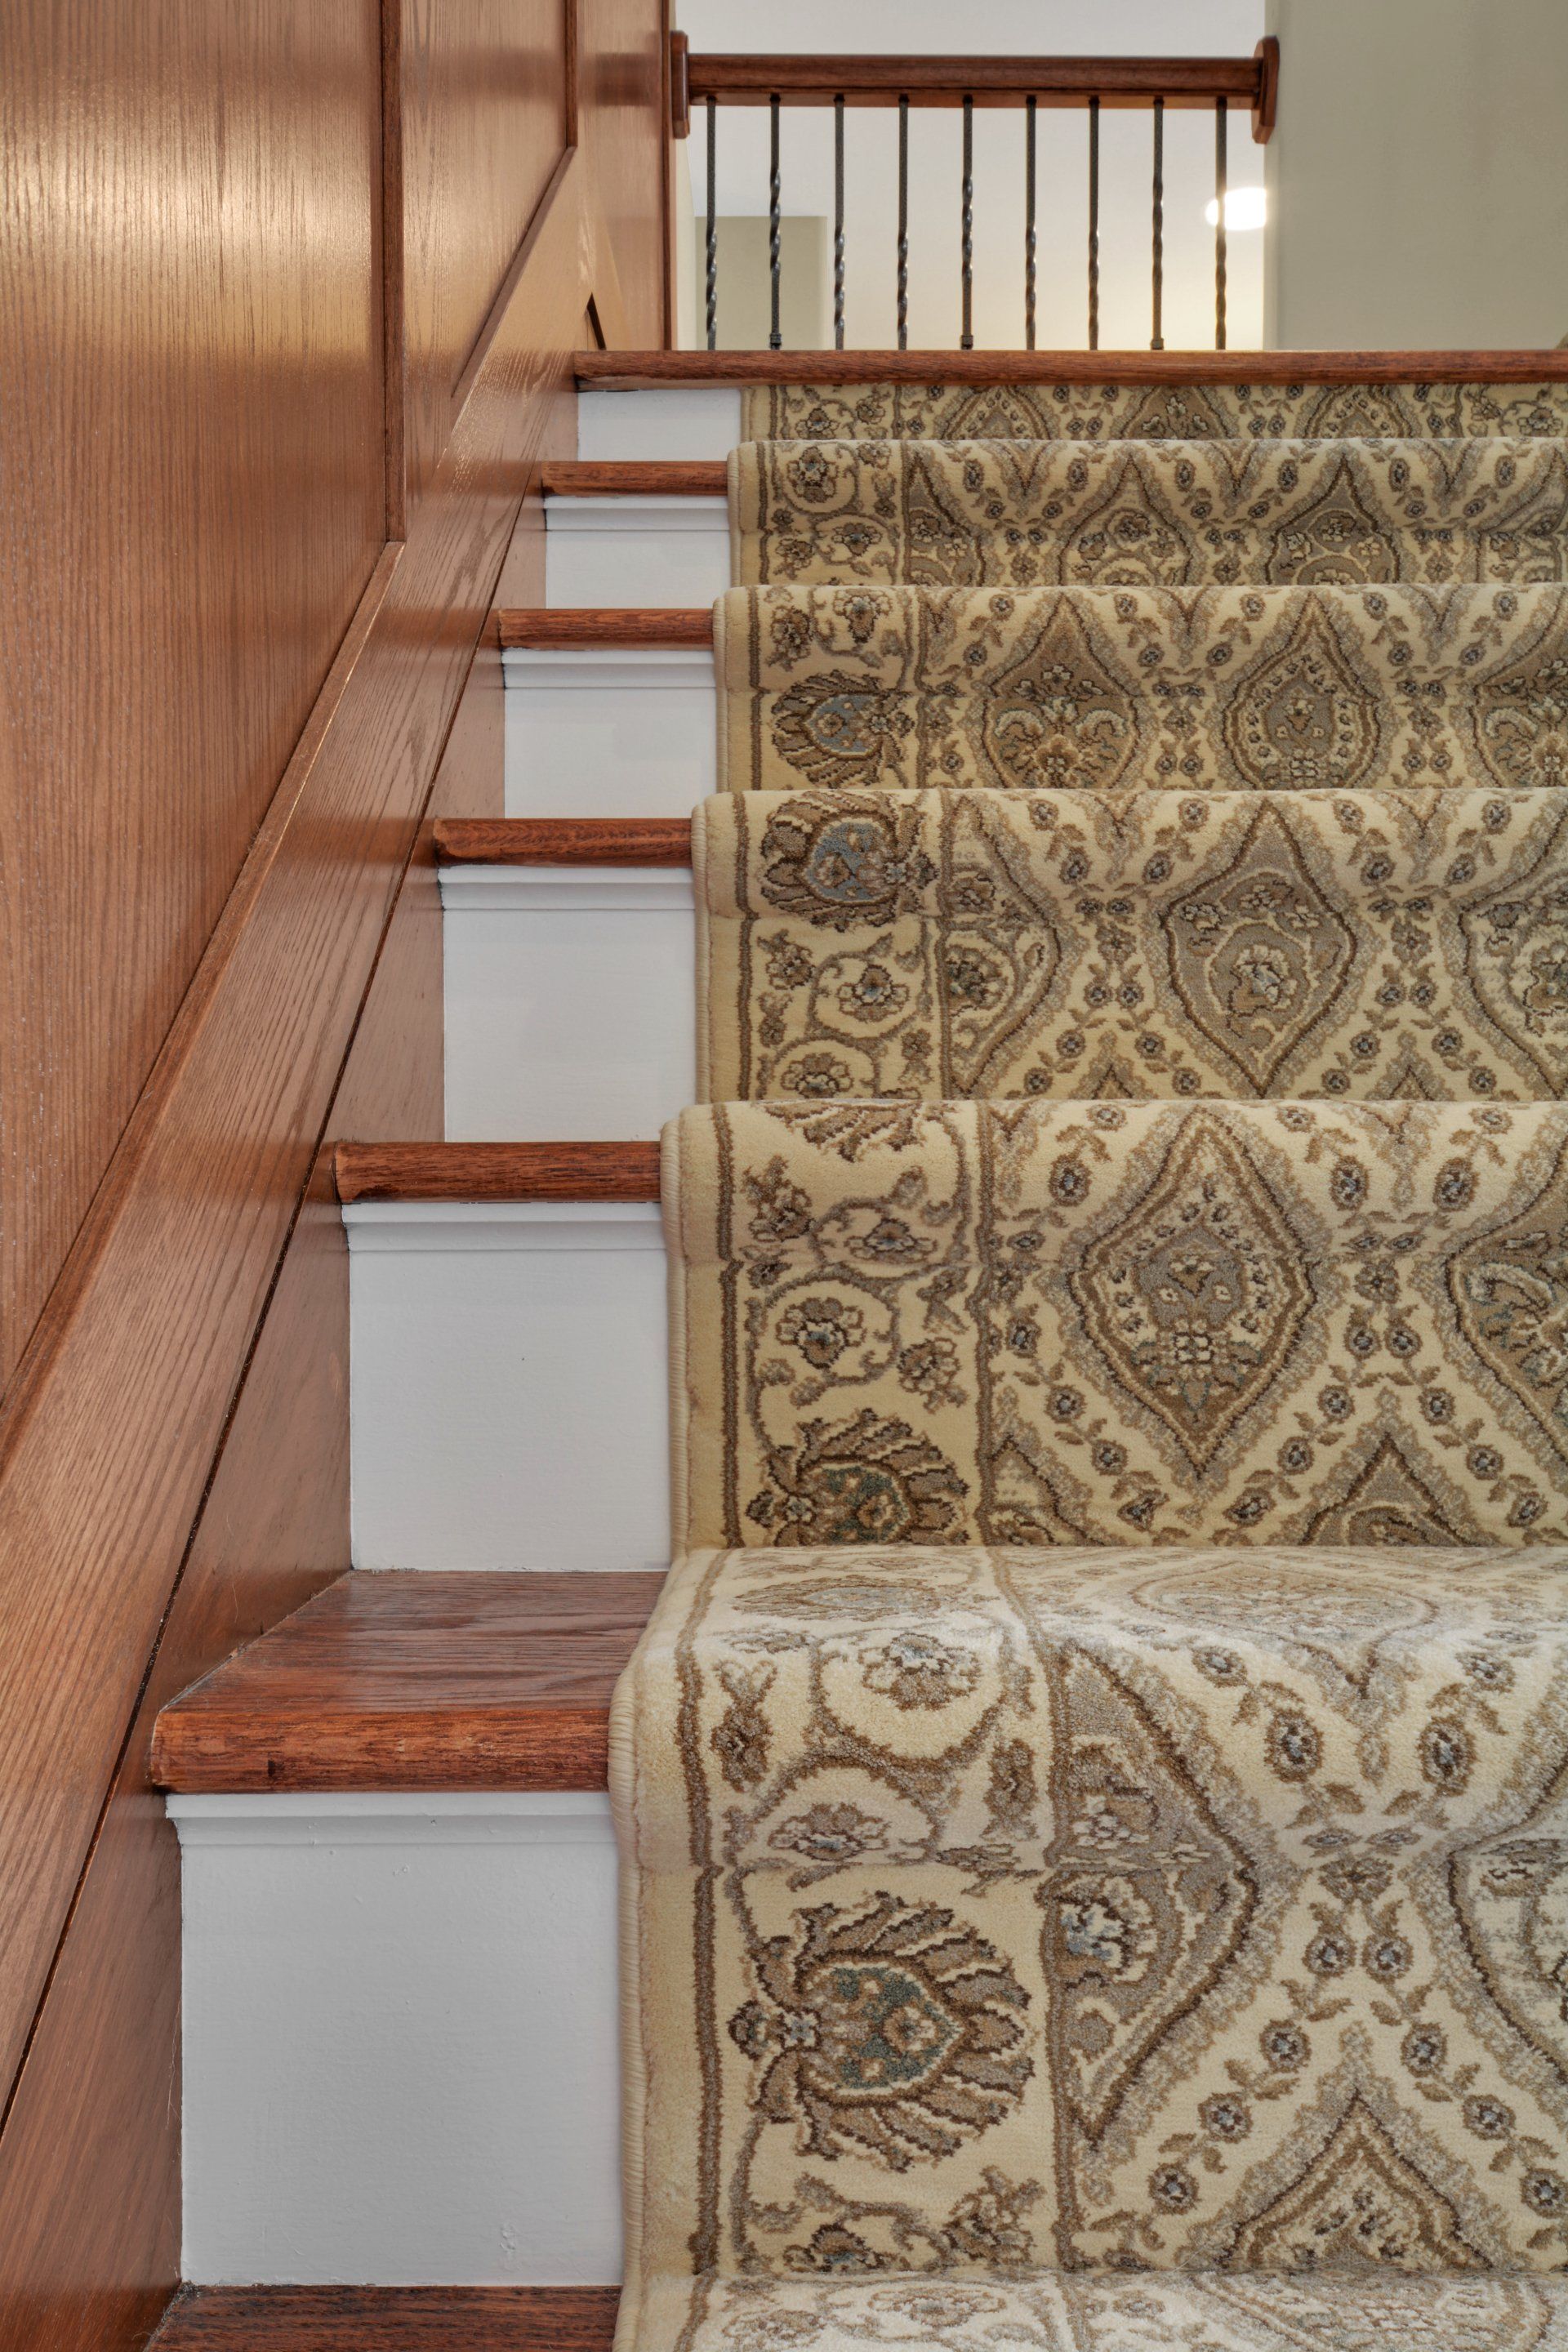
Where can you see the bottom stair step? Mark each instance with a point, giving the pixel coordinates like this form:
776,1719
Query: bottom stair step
389,2319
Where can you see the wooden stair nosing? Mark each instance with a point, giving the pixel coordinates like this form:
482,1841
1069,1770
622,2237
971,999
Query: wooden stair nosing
389,2319
638,477
584,628
462,1679
628,370
564,840
496,1171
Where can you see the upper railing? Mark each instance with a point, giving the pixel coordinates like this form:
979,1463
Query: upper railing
1090,84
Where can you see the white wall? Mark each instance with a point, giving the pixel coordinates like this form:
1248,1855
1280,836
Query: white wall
1000,27
1418,175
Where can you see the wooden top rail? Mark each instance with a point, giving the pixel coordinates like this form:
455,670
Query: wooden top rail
1252,82
496,1171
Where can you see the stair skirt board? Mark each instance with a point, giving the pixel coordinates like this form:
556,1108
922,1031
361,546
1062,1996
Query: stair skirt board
510,1391
389,2319
401,2037
610,732
638,549
571,1003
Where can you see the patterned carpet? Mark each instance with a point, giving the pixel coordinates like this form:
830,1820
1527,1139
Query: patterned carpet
1094,1794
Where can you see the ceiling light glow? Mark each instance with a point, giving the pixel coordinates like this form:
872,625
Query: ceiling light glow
1244,208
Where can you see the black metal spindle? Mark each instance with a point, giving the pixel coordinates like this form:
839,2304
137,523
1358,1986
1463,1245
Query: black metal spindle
1219,192
712,287
1157,341
1029,110
966,228
1094,223
839,224
903,224
776,191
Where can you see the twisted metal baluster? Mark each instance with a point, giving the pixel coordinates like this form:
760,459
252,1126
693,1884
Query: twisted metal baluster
1219,255
903,224
966,228
839,224
1094,223
775,340
1030,224
713,226
1157,341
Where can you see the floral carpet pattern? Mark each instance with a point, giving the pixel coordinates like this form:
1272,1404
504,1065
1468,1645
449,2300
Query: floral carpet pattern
1228,689
1149,514
1093,1795
1365,945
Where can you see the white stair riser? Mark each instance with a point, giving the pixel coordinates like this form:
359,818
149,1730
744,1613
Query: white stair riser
509,1385
400,2039
609,733
635,550
683,421
570,1001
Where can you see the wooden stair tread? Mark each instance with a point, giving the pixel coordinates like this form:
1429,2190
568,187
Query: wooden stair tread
564,840
640,477
628,370
389,2319
496,1171
583,628
417,1679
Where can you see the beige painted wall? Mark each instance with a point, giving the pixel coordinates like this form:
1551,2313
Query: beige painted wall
1418,176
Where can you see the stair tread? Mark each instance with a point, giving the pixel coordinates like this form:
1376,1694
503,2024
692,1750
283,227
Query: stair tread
631,371
417,1679
583,627
496,1171
655,478
564,840
389,2319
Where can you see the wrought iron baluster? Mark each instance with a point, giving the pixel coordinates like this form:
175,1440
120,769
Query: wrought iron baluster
775,340
839,224
1094,223
903,224
713,288
1219,254
1029,112
966,228
1157,341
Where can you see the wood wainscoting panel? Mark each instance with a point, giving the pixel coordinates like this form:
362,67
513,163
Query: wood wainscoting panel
191,443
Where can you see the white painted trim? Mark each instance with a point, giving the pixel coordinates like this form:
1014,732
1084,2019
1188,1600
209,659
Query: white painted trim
673,421
617,515
535,669
379,1227
395,1817
567,889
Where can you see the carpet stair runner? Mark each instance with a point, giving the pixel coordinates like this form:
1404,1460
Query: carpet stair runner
1094,1791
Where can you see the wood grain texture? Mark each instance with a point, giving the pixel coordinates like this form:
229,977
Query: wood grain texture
588,624
626,371
416,1681
191,443
496,1171
200,1316
752,80
613,477
391,2319
623,124
565,841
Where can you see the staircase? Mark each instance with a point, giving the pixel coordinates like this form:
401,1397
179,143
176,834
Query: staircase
1073,858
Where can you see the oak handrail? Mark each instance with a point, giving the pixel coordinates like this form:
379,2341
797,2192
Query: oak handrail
947,81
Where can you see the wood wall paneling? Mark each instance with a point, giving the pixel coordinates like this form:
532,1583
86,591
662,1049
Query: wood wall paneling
190,448
223,699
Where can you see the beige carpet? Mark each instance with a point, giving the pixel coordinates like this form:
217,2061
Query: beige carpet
1234,690
1374,945
1148,514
